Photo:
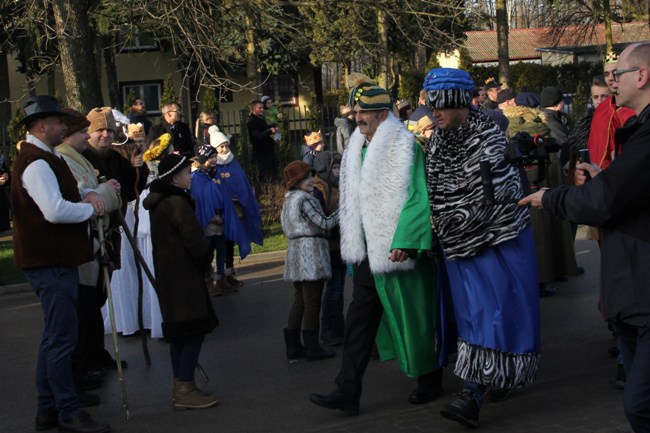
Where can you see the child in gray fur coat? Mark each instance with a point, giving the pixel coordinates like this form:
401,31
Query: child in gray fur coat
307,263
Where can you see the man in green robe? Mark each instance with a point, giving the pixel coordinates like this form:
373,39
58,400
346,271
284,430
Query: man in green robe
386,233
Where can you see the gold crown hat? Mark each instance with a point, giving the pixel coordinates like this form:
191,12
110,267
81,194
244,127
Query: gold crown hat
136,131
611,57
313,139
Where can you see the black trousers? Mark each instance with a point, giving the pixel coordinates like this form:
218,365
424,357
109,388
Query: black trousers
361,325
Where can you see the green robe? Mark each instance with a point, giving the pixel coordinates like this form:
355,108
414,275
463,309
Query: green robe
407,331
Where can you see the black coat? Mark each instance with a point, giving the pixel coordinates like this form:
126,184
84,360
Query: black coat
182,138
181,257
618,201
260,137
555,120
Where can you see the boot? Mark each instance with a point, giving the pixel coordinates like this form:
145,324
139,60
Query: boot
295,350
231,277
224,286
213,288
188,396
313,350
429,388
465,409
175,386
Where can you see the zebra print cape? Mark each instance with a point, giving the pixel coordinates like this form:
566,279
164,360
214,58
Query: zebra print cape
462,221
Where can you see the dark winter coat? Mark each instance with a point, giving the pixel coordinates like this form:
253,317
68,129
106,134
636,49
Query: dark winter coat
181,257
555,120
182,137
260,137
618,201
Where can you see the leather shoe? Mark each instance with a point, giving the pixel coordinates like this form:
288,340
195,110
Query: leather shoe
82,423
46,420
335,400
87,400
421,397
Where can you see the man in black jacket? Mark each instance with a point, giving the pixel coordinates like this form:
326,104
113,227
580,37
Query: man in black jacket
182,137
261,138
617,200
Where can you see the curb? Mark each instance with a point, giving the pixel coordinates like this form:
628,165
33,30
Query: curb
12,289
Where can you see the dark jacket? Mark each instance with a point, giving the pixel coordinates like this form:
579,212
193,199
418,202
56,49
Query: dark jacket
181,257
260,137
559,131
141,118
420,112
618,201
182,137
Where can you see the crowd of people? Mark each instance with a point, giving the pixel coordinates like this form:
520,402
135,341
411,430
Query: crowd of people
449,235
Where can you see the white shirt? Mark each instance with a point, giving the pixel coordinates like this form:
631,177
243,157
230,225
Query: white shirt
42,186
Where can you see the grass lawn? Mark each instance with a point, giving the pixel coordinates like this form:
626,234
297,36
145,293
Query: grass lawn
9,274
274,240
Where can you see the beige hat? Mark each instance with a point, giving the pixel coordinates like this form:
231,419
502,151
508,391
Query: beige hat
101,118
136,131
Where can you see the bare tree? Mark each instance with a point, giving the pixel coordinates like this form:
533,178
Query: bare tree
502,42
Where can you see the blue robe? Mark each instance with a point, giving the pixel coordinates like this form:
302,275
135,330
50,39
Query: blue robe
210,201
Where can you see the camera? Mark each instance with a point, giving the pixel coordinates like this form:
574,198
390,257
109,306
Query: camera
525,149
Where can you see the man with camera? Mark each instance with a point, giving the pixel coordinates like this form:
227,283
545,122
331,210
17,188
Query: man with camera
487,246
618,201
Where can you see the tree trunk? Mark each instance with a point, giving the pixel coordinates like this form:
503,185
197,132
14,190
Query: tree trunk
502,41
5,94
83,91
607,19
251,55
111,76
384,57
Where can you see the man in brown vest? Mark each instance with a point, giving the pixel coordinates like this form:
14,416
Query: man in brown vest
51,239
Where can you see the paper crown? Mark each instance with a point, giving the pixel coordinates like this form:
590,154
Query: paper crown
136,131
313,139
611,57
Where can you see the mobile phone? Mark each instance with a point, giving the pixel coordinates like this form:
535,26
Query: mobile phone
583,156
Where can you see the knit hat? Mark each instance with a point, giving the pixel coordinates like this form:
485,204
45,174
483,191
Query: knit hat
171,165
136,131
611,57
448,88
550,97
101,118
312,139
527,99
217,137
264,99
75,121
295,172
204,152
370,98
505,95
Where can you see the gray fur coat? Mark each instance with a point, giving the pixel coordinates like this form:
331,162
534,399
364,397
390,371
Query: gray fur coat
308,257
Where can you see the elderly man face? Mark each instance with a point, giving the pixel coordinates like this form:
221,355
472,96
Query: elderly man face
450,118
369,120
173,114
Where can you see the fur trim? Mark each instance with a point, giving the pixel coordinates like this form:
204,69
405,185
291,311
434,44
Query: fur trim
373,194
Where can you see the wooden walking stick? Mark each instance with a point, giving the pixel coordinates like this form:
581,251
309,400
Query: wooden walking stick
111,312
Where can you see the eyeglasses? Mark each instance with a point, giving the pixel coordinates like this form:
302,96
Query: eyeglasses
617,73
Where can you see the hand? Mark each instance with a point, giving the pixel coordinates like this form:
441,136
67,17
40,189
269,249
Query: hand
136,160
274,130
579,177
115,184
535,200
398,255
4,178
99,205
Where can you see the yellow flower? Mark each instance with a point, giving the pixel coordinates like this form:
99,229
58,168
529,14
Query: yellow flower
154,152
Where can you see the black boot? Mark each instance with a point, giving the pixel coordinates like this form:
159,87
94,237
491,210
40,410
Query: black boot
464,409
429,388
313,350
294,347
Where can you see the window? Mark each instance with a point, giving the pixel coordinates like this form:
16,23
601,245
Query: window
282,88
140,41
149,91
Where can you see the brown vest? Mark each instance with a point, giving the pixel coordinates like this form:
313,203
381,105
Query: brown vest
38,242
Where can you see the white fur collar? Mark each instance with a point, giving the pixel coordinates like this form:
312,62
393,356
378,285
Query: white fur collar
373,194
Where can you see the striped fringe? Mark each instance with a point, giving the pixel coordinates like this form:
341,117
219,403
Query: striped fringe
495,368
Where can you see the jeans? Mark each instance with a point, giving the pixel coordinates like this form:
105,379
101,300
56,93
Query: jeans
184,352
218,244
56,288
332,319
634,343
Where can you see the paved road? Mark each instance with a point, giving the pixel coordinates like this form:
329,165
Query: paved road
261,392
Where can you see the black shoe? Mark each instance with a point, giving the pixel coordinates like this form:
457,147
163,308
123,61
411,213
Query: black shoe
46,420
613,351
620,377
82,423
335,400
88,400
421,397
464,409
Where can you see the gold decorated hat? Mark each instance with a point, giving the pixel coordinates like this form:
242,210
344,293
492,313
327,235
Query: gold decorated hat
136,131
